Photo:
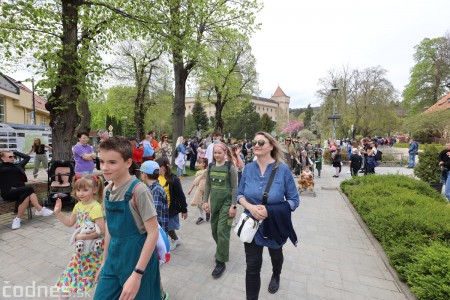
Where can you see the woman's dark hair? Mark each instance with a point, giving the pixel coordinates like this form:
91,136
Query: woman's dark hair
164,162
82,133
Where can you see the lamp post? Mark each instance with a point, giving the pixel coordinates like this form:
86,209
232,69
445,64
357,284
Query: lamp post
334,116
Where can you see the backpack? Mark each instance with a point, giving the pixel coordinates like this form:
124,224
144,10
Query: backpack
379,155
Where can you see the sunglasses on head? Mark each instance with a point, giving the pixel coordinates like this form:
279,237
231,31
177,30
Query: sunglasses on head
259,142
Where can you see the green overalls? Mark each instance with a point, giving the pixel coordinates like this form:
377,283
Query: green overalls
220,195
125,247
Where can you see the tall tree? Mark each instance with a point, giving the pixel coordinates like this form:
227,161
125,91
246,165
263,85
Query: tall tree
139,61
186,27
245,123
65,38
308,116
366,100
266,123
199,115
429,75
228,71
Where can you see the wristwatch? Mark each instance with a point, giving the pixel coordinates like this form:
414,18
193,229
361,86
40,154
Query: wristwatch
139,271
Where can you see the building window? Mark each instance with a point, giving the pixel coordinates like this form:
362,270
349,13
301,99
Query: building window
44,121
2,110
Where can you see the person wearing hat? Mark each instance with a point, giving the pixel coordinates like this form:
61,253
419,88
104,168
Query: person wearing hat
149,175
194,146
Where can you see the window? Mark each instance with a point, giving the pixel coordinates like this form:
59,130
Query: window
2,110
44,121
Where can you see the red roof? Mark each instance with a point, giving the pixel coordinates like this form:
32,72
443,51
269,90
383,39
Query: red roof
279,93
442,104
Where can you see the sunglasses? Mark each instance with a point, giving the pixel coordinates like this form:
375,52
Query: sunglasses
288,140
165,137
12,156
260,142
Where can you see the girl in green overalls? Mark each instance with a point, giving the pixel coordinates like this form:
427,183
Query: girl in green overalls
130,267
221,185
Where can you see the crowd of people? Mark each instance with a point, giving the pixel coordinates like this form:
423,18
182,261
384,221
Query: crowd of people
123,261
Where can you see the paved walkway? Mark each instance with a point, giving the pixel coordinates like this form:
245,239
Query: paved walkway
335,258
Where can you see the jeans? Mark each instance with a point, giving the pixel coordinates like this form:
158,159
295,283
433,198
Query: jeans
192,162
411,160
447,187
254,259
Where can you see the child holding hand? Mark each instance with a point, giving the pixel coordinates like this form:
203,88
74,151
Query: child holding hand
199,181
79,276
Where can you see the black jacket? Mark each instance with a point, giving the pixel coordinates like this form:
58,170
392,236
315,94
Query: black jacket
177,198
13,175
278,226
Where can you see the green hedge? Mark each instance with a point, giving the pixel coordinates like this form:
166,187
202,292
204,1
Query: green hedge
412,223
421,146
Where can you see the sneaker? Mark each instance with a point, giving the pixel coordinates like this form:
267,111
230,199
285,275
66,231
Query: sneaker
44,212
208,216
165,296
200,221
174,244
15,223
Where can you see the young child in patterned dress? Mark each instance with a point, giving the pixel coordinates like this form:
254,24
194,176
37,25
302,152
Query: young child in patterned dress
79,276
199,181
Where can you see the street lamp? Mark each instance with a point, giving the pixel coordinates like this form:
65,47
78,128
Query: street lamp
33,115
334,116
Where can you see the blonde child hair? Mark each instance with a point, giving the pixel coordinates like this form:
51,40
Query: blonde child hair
89,181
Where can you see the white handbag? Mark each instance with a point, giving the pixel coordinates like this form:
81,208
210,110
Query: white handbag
246,228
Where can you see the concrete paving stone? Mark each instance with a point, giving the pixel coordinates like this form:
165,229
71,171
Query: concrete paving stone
315,289
332,276
381,283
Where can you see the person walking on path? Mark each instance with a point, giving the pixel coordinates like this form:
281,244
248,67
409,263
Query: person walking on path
199,182
220,200
175,199
413,151
130,266
84,155
282,200
40,156
13,188
444,162
80,274
193,157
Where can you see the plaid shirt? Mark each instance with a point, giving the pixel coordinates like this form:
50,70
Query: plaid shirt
160,202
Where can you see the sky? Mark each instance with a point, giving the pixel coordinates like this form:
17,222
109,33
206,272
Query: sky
301,40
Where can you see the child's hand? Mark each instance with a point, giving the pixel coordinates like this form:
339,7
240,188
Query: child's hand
58,206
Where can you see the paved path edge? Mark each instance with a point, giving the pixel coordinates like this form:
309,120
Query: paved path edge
401,285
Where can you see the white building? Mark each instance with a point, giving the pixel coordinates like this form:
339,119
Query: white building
277,107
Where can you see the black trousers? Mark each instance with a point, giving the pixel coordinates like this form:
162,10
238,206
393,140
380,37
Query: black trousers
254,259
192,161
18,194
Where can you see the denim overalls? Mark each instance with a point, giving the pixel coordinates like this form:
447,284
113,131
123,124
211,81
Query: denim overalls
124,250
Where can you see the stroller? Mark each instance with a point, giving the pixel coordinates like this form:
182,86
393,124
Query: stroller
59,185
306,183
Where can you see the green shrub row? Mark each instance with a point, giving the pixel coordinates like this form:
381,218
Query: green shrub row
412,223
421,146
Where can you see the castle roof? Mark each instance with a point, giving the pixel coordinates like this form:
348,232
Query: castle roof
279,93
441,104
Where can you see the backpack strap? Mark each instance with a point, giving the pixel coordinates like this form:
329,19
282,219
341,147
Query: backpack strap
130,192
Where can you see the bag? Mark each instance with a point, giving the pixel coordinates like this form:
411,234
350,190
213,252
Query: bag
247,227
379,155
148,150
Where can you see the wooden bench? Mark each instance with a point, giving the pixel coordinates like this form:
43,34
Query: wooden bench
29,211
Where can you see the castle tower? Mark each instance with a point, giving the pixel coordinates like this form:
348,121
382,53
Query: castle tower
283,101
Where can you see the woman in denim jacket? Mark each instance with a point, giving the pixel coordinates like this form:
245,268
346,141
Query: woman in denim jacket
283,197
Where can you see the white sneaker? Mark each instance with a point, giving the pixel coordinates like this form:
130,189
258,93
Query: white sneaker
44,212
174,244
15,223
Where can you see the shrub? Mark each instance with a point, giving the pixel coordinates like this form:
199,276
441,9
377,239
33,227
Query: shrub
428,169
406,216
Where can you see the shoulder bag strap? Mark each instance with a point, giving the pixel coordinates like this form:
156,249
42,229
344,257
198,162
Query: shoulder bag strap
269,183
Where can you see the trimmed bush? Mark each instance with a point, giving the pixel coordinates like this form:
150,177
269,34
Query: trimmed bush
407,217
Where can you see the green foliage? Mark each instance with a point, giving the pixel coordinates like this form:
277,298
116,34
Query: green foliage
410,220
429,273
428,127
266,123
308,117
429,74
245,124
306,135
199,115
428,169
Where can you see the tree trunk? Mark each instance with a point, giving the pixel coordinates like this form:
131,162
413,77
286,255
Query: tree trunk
85,115
219,109
179,106
62,102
